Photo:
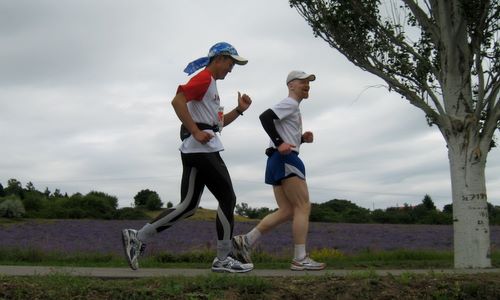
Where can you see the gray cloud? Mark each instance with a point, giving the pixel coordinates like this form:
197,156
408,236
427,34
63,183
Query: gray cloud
86,89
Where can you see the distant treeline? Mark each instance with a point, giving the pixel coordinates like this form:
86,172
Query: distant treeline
344,211
17,201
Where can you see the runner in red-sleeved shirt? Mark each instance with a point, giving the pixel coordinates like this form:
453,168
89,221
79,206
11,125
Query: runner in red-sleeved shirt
197,105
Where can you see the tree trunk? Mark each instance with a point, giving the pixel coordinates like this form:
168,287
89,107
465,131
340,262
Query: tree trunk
470,209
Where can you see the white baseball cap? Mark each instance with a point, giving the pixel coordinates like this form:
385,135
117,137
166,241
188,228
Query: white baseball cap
299,75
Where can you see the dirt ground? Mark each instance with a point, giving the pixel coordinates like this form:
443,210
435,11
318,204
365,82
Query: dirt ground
479,286
364,286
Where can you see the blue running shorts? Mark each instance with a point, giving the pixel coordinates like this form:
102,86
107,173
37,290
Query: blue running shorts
280,167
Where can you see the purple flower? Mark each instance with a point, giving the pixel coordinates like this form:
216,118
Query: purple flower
104,237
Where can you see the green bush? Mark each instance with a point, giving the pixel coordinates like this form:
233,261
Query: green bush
12,207
33,200
148,199
129,213
153,202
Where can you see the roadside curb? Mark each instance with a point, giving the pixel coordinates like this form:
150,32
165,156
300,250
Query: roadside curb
117,273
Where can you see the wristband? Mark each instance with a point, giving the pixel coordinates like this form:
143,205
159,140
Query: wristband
239,112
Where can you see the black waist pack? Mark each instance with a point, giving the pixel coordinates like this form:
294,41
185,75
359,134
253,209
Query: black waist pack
270,151
184,133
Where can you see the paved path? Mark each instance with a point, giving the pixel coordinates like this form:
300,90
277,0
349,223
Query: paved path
155,272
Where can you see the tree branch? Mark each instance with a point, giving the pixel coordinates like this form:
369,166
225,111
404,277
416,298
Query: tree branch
412,97
424,21
399,42
493,118
481,86
494,97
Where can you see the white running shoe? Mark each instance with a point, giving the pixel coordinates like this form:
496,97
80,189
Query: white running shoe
230,265
306,263
241,249
133,247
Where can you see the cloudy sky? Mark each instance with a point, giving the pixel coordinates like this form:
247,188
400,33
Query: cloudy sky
86,85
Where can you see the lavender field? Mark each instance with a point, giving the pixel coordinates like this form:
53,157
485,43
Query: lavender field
104,237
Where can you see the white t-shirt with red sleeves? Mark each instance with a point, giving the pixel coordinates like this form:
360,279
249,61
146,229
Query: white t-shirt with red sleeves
203,104
289,125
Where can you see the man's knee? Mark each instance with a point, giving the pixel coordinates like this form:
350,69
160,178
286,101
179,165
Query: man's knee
284,214
303,206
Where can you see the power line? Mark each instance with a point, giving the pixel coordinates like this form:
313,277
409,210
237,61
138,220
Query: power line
375,192
333,189
311,187
53,181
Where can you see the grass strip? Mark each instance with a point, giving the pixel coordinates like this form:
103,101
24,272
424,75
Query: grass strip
399,259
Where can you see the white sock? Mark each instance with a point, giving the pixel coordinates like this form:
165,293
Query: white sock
223,249
253,236
146,233
299,252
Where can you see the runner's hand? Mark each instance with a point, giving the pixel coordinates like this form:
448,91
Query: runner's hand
285,148
244,102
308,137
202,136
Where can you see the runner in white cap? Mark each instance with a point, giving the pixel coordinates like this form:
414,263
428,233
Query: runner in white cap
286,173
197,105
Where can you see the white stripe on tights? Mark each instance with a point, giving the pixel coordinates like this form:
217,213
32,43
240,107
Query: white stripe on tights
225,224
181,207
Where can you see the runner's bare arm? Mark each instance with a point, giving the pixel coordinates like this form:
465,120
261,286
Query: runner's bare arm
180,106
244,101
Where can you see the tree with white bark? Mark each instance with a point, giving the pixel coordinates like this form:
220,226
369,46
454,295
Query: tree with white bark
443,57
